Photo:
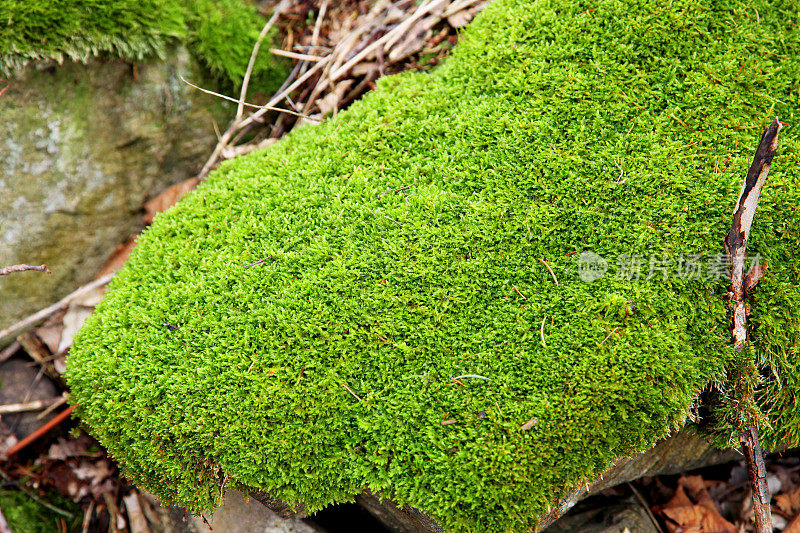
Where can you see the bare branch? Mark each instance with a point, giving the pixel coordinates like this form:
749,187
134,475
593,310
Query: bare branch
22,268
26,324
279,9
736,248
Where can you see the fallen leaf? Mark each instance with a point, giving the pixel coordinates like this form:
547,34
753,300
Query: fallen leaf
117,258
168,198
700,515
73,321
793,526
64,448
94,472
789,502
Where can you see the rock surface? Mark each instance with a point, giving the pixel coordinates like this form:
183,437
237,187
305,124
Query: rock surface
81,148
19,383
238,514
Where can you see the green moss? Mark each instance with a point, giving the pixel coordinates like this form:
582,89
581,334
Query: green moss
396,243
25,515
221,34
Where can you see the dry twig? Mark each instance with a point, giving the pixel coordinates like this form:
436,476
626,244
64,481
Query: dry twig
22,268
279,9
736,248
361,46
35,405
33,320
550,270
59,418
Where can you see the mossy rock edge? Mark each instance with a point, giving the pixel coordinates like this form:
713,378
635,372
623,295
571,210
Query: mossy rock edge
219,33
398,246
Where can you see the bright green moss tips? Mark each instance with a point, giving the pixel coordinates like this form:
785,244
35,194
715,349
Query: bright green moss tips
398,247
220,33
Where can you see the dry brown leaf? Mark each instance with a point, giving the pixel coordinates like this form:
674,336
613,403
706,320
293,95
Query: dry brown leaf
93,472
789,502
65,448
793,526
50,334
694,484
685,515
117,258
168,198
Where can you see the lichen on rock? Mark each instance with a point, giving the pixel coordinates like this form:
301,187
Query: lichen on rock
396,251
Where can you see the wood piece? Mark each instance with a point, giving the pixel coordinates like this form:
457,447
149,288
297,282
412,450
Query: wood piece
39,352
136,519
736,249
736,240
22,268
35,405
60,417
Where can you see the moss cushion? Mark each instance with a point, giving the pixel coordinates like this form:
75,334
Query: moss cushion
367,304
220,33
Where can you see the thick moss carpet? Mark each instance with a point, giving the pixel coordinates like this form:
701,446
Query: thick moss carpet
398,326
220,33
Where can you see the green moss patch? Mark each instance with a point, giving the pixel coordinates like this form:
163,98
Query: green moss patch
396,251
220,33
26,515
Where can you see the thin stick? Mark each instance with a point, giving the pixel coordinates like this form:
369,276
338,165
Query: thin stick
87,517
550,270
60,417
393,35
22,268
279,9
318,24
32,321
735,248
295,55
475,376
243,103
541,331
231,131
516,289
351,392
35,405
10,351
58,403
646,507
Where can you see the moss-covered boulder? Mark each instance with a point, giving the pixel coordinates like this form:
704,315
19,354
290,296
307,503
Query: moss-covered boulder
81,148
219,33
366,305
86,141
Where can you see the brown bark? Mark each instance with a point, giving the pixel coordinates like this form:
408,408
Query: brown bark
738,291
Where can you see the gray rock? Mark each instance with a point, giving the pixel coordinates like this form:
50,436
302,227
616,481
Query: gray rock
621,515
81,148
238,514
19,383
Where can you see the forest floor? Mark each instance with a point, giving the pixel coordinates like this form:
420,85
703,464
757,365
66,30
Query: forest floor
57,477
